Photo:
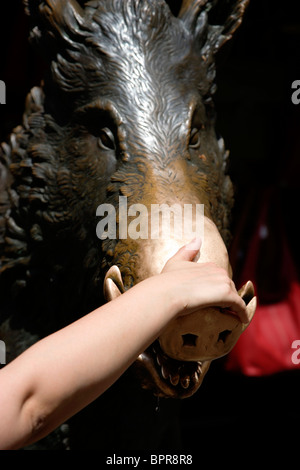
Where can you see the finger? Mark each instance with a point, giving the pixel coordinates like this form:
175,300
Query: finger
189,251
238,307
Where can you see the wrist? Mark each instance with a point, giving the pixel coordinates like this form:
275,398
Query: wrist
166,295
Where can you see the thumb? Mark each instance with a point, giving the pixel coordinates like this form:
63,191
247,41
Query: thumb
189,251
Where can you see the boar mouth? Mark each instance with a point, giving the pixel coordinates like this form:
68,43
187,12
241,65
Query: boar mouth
163,375
167,377
172,378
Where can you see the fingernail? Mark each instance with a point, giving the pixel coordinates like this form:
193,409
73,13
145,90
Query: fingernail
195,244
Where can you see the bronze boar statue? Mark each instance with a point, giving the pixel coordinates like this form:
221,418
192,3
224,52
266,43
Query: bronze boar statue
125,111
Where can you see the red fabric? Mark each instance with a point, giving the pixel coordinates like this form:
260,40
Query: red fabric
266,346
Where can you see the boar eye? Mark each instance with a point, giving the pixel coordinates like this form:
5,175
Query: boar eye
195,139
106,139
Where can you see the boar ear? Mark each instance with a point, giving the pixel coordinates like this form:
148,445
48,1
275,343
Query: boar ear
58,20
213,20
190,10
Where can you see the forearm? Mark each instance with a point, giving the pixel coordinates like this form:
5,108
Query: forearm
67,370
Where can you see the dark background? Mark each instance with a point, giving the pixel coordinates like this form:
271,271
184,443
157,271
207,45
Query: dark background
260,126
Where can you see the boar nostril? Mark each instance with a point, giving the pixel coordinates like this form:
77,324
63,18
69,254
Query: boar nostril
189,340
224,335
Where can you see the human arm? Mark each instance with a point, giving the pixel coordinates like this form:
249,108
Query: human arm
66,371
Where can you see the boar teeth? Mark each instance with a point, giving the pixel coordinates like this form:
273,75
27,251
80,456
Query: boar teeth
174,379
195,377
177,373
185,381
164,372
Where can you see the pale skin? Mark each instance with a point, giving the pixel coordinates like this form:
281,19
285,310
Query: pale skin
64,372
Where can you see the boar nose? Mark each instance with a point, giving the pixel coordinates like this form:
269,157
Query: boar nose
207,334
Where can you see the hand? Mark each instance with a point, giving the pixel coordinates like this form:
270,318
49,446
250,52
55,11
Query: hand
201,285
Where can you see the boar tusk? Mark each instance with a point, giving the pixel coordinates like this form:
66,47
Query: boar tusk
113,284
247,292
248,295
